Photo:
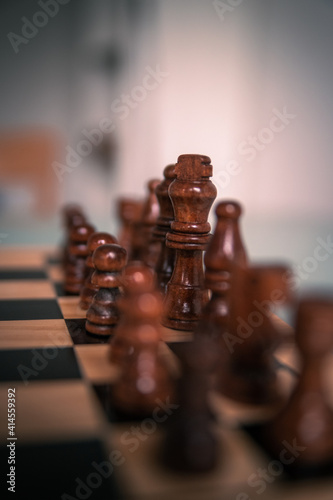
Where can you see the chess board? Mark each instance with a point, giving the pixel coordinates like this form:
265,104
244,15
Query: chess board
69,443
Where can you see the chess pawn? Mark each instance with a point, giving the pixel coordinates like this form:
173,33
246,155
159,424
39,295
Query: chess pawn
191,443
76,259
307,418
166,260
69,213
135,348
137,279
248,372
89,289
143,248
192,194
72,216
225,252
129,213
109,261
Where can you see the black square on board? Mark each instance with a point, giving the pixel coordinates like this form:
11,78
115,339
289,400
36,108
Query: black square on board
59,289
54,260
51,471
29,365
22,309
22,274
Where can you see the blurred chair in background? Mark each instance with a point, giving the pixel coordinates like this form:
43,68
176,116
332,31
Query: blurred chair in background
26,158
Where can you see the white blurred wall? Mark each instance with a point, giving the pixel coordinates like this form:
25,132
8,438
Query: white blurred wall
227,73
225,79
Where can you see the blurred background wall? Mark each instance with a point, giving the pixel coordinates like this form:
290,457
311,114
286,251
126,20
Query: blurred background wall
246,82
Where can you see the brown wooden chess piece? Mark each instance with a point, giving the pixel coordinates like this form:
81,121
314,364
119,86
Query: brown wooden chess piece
192,194
72,216
135,347
69,212
102,316
247,372
143,248
129,213
307,418
191,444
166,260
76,259
137,279
89,289
225,252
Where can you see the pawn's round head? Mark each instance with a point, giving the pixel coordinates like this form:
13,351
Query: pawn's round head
109,258
229,210
138,278
73,216
97,239
72,208
81,232
152,185
169,172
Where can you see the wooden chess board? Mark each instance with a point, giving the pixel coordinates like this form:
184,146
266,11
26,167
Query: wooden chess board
70,443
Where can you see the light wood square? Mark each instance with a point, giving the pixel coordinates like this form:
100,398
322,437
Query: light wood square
70,308
23,257
55,273
144,477
34,333
52,410
25,289
95,364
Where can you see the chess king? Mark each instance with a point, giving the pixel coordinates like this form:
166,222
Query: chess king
192,194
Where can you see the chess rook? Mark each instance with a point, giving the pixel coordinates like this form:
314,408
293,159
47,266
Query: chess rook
166,259
192,194
102,315
89,289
